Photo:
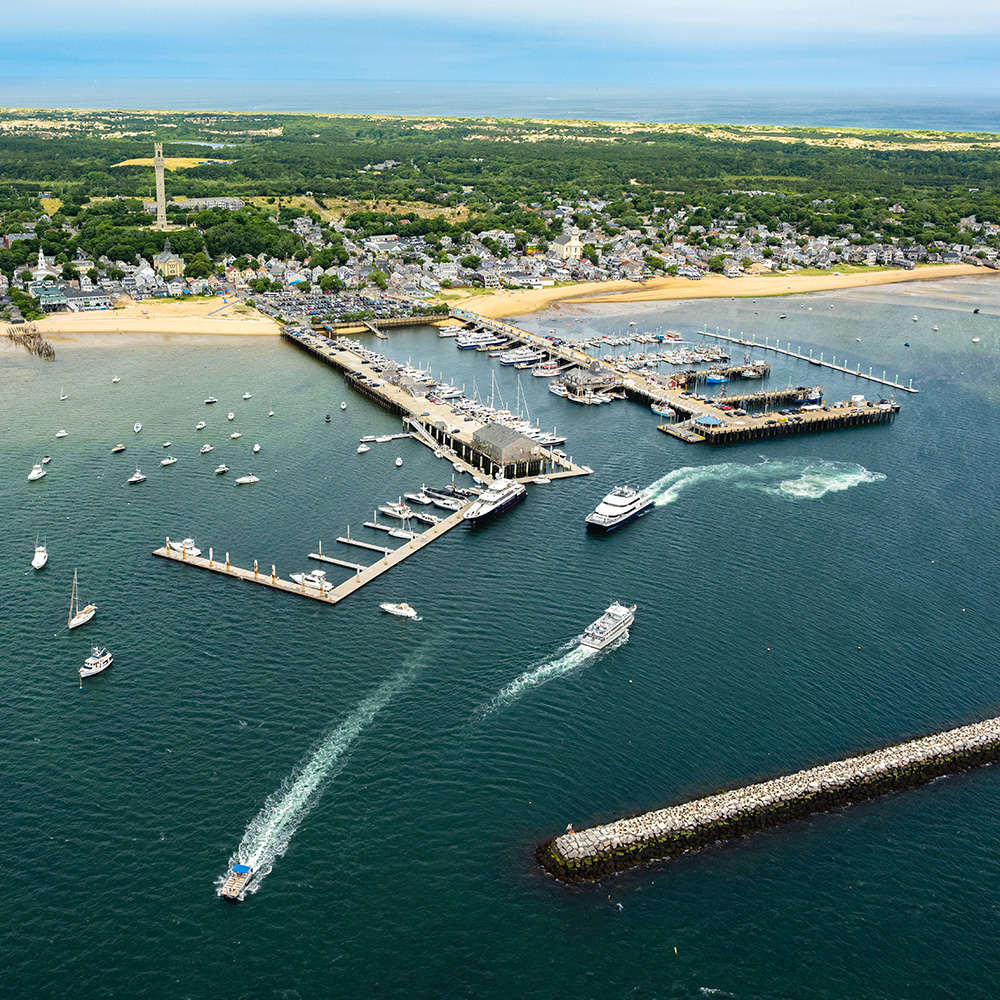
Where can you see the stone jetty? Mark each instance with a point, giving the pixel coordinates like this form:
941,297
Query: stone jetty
595,853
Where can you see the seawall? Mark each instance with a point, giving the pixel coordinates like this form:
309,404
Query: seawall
595,853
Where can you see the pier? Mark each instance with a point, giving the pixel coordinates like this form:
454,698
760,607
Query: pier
362,574
832,365
595,853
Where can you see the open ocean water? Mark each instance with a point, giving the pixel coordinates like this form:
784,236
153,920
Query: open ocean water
797,601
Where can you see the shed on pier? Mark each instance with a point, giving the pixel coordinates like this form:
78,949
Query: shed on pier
505,448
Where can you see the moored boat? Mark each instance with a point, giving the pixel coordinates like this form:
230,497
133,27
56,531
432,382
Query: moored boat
136,478
187,547
398,509
612,624
362,448
169,460
221,469
205,449
118,449
98,661
200,425
246,480
41,556
210,400
499,496
136,427
315,580
77,615
37,471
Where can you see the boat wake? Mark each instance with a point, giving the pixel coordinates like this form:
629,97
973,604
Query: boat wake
267,837
568,658
792,479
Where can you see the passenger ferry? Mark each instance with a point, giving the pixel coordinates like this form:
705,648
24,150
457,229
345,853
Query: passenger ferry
612,624
236,882
621,505
501,495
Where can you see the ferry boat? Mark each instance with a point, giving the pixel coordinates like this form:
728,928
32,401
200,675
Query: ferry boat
236,882
473,340
621,505
99,660
613,623
316,580
500,495
400,610
187,547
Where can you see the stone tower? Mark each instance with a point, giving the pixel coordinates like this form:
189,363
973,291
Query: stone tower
161,198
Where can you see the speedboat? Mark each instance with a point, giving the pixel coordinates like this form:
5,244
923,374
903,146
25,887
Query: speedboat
542,480
398,509
270,413
118,449
399,461
36,472
400,610
343,406
421,498
222,469
236,882
230,415
62,434
46,459
211,399
205,449
136,427
187,547
99,660
116,380
362,448
613,623
236,434
200,425
426,518
169,460
327,418
40,558
167,444
246,395
500,495
245,480
136,478
316,580
622,504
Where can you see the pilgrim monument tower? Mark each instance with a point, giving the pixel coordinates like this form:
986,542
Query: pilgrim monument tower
161,198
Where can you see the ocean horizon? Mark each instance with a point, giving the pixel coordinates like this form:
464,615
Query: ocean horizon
885,108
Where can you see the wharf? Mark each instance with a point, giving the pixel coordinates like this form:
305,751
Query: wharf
362,574
832,365
592,854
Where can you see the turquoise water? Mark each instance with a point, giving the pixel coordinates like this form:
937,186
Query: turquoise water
798,600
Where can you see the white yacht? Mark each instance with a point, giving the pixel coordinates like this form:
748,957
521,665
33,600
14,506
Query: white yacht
210,400
236,434
136,478
116,380
500,495
205,449
200,426
99,660
62,434
167,444
222,469
118,449
316,580
230,415
247,395
37,471
621,505
40,558
613,623
421,498
362,448
399,462
343,406
245,480
398,509
256,448
136,427
187,547
46,459
78,615
402,610
169,460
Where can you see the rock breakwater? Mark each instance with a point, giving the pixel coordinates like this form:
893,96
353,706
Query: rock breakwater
588,855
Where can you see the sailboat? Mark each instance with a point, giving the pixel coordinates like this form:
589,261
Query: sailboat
77,615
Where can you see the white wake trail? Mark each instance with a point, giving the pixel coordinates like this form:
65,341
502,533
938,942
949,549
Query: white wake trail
791,479
267,836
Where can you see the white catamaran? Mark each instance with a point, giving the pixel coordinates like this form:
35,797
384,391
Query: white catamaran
78,615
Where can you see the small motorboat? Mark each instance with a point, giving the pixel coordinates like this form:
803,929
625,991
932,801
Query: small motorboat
211,399
169,460
62,434
245,480
975,340
236,434
62,396
41,556
270,413
256,448
167,444
136,427
315,580
118,449
230,415
398,509
115,380
99,660
399,461
200,426
46,459
362,448
327,418
222,469
136,477
236,882
542,480
419,497
186,547
36,472
914,319
402,610
343,406
205,449
247,395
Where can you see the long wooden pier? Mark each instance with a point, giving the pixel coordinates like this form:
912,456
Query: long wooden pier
362,574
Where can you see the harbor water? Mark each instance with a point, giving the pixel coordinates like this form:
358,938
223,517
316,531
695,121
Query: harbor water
798,601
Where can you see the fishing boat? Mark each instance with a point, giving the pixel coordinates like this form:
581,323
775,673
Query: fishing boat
716,379
169,460
41,556
662,410
200,426
362,448
547,369
78,616
246,480
136,427
97,662
613,623
402,610
222,469
62,434
236,882
205,449
37,471
118,449
136,478
186,547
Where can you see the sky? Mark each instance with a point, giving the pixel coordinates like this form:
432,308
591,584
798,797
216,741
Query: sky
769,43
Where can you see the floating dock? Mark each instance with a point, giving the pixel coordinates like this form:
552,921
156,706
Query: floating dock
362,574
589,855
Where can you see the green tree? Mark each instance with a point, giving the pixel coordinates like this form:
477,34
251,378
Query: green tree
379,279
199,266
471,261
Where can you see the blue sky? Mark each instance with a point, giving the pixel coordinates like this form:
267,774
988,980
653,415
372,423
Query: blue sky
774,44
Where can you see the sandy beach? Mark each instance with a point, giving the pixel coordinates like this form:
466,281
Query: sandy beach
521,302
158,318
